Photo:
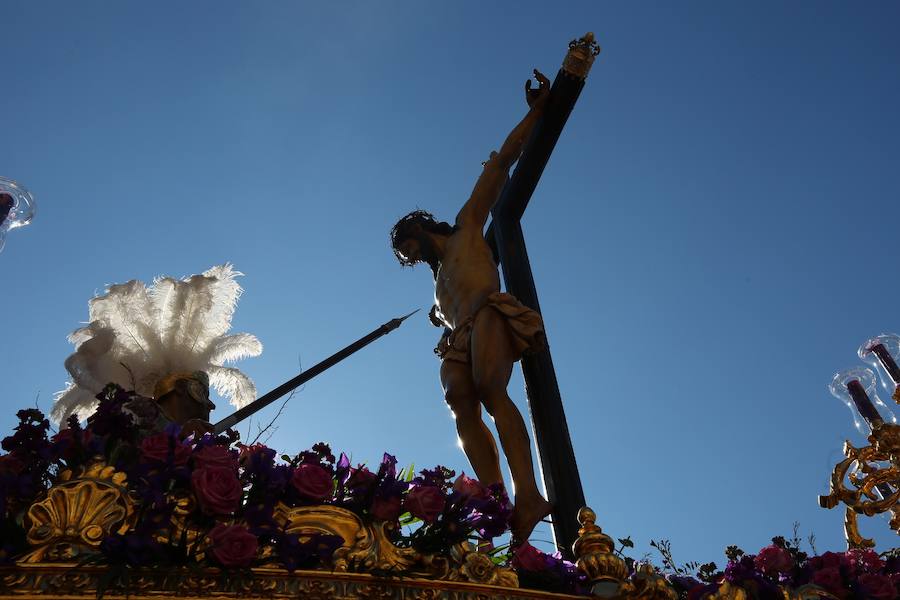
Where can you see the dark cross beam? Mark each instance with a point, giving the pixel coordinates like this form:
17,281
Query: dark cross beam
548,419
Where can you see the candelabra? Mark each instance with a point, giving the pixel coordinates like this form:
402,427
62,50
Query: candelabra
867,481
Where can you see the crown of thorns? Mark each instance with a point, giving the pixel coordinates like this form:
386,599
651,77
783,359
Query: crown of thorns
404,227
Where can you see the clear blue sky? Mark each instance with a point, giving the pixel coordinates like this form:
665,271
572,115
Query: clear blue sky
714,236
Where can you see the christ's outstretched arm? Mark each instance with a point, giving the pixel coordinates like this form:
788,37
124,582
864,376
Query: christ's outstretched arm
496,170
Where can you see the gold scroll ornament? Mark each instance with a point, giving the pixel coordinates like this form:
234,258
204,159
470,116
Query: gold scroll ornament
867,469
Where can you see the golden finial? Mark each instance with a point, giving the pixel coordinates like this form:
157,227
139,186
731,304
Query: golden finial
594,553
581,56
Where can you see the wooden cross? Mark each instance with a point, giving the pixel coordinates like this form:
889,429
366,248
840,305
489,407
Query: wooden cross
548,419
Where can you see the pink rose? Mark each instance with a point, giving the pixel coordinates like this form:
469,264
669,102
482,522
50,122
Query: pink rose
233,545
877,587
156,447
214,456
425,502
470,488
313,482
772,560
529,558
830,579
217,489
386,509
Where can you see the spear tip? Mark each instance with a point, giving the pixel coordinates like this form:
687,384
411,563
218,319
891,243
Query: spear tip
401,319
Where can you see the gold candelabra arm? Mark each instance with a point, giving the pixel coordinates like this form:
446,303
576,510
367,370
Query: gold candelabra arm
867,481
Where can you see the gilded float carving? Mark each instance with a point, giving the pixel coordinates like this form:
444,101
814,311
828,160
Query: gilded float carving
78,514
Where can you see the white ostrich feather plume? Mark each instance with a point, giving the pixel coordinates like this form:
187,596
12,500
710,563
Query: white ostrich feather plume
137,335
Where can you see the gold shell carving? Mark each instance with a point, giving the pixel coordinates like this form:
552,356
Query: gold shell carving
365,548
78,513
368,548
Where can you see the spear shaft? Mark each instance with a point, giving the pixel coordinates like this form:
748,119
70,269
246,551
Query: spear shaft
270,397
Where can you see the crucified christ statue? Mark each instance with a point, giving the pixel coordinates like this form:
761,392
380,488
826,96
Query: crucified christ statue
487,330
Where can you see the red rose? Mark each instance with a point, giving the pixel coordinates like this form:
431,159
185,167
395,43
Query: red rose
830,579
865,561
386,508
425,502
470,488
246,451
156,447
529,558
313,482
214,456
772,560
877,587
217,490
833,560
360,479
233,545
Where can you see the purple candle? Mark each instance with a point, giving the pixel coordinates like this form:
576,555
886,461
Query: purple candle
887,361
868,412
863,404
6,205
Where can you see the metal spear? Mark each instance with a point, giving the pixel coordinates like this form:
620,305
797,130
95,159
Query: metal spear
266,399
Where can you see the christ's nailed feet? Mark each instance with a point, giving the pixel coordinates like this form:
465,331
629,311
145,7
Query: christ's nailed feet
526,515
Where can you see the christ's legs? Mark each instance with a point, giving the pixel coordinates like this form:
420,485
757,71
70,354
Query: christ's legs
492,358
476,439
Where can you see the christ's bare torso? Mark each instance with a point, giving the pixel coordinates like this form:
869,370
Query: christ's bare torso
466,277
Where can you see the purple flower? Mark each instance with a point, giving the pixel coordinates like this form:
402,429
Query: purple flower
296,554
132,548
682,583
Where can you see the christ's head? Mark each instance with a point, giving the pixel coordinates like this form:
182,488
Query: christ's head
413,238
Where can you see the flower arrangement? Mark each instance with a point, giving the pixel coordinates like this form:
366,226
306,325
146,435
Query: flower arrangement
210,501
229,492
856,574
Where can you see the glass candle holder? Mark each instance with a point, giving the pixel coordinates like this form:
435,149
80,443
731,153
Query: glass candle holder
16,207
857,388
882,354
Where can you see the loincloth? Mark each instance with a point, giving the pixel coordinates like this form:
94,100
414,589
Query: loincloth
525,326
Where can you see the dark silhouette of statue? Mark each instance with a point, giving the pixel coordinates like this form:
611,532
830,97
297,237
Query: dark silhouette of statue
487,330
